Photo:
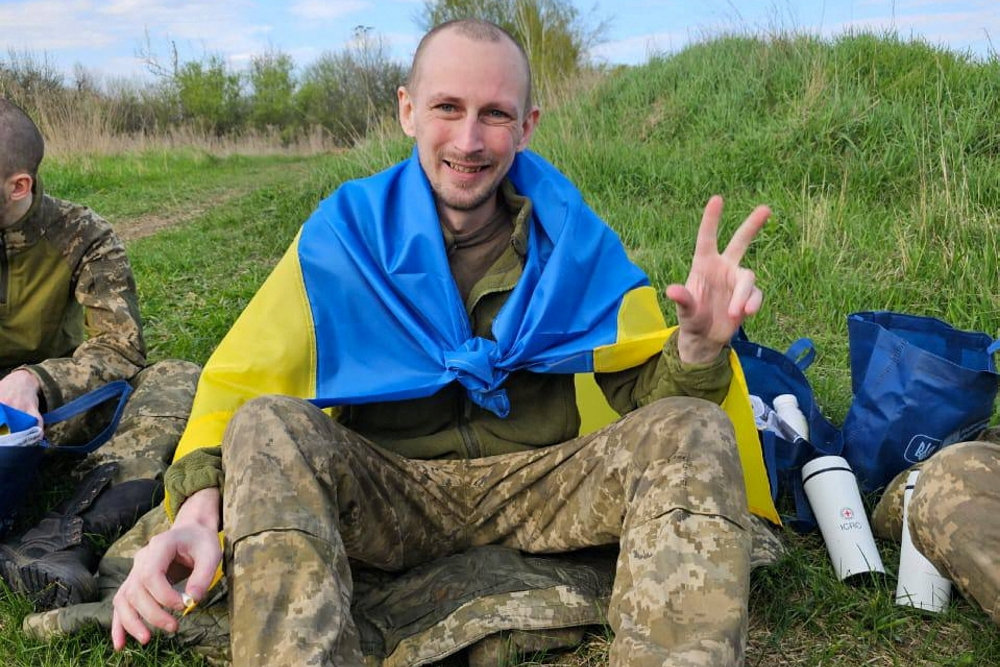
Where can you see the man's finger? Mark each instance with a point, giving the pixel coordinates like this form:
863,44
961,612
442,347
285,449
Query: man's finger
118,635
707,242
150,610
682,298
742,291
161,592
128,620
754,303
745,234
207,558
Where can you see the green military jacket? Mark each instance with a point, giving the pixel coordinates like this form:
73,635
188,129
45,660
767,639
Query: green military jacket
68,306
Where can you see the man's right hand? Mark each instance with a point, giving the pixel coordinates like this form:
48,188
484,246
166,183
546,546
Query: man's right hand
19,390
147,597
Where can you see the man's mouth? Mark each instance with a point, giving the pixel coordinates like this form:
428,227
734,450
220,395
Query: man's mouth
466,168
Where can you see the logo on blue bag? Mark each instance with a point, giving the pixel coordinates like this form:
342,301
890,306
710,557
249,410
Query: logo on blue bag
921,447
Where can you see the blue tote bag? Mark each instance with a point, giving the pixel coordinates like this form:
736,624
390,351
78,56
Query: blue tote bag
770,373
23,443
919,384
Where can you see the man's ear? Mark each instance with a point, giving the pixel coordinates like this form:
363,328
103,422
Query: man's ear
19,186
528,126
406,111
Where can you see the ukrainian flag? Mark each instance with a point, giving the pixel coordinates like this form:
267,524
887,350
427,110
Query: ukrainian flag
363,308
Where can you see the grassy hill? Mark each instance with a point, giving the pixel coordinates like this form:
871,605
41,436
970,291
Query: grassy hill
880,159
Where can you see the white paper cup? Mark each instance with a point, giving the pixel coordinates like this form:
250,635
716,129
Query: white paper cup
920,585
833,494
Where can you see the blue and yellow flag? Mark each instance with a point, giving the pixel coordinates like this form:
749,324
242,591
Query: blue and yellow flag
364,308
398,290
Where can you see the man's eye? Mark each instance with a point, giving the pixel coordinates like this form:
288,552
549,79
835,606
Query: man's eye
497,115
446,108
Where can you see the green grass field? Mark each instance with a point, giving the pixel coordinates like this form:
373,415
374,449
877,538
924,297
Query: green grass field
881,161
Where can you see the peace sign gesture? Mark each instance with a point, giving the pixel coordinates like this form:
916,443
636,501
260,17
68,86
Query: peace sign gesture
718,293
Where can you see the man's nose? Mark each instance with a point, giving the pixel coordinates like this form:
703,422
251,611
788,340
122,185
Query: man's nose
469,137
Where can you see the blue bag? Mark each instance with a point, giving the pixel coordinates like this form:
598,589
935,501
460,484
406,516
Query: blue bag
21,449
919,385
770,373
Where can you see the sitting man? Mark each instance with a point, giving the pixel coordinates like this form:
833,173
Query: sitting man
441,308
953,517
69,323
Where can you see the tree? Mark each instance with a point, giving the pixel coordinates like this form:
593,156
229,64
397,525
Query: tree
552,32
210,94
348,91
273,87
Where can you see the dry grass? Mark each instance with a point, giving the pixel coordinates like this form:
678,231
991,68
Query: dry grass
86,125
87,136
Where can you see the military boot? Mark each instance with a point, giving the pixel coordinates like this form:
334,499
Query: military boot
54,562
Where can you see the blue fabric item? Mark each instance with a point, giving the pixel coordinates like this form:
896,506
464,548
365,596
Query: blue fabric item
770,373
19,465
15,420
919,385
374,266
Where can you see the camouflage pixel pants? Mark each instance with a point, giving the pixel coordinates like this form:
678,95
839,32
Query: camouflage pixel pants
954,518
151,424
303,494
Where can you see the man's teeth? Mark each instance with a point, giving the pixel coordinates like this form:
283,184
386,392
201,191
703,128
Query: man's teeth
464,169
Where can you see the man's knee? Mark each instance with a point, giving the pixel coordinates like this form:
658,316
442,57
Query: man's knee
687,445
283,429
256,424
175,376
680,425
163,391
951,478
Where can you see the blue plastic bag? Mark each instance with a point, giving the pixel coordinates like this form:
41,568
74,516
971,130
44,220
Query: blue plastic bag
770,373
919,385
22,448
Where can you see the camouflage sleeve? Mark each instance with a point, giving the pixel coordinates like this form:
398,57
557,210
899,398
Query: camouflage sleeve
104,286
666,375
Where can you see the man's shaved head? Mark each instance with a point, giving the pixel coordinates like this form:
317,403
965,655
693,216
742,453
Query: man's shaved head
21,144
476,30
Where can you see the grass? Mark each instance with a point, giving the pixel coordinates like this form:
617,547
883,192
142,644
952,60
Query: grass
880,159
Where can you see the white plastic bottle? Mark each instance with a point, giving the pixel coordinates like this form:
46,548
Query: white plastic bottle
787,407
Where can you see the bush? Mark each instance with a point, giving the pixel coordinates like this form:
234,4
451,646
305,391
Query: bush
347,92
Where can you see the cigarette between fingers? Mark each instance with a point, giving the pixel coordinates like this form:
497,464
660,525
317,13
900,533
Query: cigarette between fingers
189,603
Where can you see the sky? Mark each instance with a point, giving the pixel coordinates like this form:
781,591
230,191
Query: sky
108,36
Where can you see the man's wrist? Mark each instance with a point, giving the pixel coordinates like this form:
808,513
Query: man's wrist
202,508
28,379
696,350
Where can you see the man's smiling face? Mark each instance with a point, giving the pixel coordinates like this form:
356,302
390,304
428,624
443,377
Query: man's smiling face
466,108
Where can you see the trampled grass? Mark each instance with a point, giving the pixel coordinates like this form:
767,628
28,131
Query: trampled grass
880,159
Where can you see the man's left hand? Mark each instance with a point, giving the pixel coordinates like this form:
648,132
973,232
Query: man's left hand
719,293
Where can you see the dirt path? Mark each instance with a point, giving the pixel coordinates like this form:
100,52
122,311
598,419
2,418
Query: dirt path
199,199
151,223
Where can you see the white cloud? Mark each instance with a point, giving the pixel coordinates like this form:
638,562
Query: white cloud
54,25
958,30
48,24
328,9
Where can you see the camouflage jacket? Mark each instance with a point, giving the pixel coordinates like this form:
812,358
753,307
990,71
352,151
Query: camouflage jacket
68,306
